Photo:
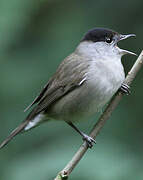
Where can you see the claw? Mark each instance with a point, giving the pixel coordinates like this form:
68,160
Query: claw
125,89
89,140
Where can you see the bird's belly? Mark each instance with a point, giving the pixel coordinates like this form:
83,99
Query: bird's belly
102,81
84,101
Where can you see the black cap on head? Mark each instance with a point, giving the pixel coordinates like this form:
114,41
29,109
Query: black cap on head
99,34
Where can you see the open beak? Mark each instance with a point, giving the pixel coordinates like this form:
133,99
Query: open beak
122,37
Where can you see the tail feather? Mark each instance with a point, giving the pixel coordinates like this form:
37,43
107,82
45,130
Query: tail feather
14,133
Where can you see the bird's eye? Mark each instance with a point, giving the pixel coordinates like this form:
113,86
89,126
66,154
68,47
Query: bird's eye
108,39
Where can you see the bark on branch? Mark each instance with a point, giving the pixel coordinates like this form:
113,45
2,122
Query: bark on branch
100,123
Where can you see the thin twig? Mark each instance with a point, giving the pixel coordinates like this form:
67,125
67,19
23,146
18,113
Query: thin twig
100,123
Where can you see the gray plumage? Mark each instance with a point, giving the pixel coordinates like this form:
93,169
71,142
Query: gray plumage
83,83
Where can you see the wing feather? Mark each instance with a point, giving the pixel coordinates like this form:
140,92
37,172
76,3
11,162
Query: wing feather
37,99
70,75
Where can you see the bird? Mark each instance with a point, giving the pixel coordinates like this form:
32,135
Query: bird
82,84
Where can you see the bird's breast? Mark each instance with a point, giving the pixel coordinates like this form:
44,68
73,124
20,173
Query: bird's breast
105,77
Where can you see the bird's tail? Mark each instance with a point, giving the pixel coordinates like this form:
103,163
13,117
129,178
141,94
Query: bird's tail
14,133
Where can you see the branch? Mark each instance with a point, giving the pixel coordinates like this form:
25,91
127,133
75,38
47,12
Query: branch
100,123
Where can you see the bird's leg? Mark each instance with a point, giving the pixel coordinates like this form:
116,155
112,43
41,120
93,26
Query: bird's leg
89,140
125,89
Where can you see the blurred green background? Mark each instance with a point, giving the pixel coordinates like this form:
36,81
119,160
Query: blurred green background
34,37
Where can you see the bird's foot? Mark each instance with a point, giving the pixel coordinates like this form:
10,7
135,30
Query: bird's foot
89,140
125,89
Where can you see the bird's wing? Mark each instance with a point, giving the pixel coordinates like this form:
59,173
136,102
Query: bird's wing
70,75
37,99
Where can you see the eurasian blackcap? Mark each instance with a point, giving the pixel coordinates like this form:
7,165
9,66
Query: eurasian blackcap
83,83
